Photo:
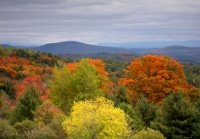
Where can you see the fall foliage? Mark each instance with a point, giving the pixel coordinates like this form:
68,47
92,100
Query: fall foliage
96,119
154,77
40,91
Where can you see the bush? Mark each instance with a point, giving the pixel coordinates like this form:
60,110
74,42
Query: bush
56,125
24,127
7,131
41,133
148,134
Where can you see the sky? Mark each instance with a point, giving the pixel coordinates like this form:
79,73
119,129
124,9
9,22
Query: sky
35,22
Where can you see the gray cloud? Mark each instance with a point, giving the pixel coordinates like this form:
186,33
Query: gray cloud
94,21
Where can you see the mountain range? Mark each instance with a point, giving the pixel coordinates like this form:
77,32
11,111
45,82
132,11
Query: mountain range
153,44
181,53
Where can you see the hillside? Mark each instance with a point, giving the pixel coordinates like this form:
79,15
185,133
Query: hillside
78,50
180,53
76,47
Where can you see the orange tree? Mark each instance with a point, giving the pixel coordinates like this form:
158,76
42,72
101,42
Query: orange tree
153,77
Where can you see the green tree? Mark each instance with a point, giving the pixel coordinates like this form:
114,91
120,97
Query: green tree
177,118
60,87
121,95
98,118
146,111
135,120
27,104
86,82
9,89
68,86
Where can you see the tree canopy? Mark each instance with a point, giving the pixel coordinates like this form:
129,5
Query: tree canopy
96,119
154,77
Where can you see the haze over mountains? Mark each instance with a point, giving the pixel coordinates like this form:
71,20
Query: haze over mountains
181,53
153,44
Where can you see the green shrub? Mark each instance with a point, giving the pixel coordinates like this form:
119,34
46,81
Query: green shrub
41,133
7,131
148,134
24,127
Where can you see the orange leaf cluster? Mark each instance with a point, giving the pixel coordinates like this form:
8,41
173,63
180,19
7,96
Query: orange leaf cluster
154,77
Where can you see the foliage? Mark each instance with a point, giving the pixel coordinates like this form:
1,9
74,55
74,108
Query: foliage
148,134
146,111
115,69
154,77
41,133
60,87
105,83
56,125
135,121
35,81
8,88
24,127
96,119
27,104
193,94
79,84
121,95
177,118
86,82
192,73
46,112
7,131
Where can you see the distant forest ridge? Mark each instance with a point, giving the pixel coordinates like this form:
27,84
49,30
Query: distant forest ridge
78,49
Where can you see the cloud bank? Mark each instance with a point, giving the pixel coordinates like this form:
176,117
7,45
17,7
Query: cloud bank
97,21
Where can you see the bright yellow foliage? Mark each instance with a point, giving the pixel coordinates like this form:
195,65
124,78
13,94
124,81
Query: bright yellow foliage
96,119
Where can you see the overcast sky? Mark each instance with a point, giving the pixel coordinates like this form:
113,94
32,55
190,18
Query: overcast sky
33,22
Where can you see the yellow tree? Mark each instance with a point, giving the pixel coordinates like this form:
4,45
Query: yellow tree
98,118
154,77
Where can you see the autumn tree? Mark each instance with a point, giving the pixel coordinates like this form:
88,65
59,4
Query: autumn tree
105,83
47,112
35,81
86,82
153,77
60,88
68,86
98,118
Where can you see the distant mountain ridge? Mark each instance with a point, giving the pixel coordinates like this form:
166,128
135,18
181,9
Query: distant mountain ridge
77,47
181,53
153,44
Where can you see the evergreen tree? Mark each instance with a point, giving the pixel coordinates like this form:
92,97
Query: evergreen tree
177,118
146,111
27,104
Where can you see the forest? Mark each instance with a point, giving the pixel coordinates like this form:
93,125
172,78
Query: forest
44,96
